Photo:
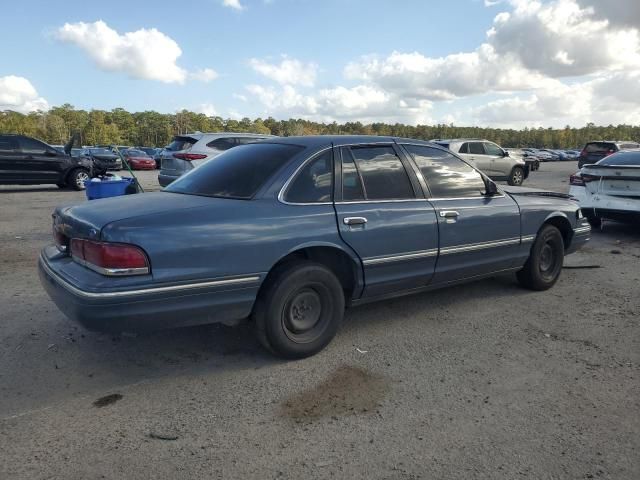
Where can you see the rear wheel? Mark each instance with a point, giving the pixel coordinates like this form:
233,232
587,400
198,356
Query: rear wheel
543,267
299,310
516,177
77,177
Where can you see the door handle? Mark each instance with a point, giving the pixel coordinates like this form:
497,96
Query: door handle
449,214
354,220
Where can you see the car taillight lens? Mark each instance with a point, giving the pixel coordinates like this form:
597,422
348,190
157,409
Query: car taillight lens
609,152
110,258
576,179
189,156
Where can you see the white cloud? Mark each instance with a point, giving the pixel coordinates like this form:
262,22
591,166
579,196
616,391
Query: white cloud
205,75
207,108
235,4
362,102
561,38
18,94
288,72
146,53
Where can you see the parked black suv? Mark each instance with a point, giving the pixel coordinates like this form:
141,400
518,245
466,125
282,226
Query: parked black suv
27,161
594,151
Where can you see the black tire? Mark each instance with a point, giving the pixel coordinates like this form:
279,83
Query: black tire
76,178
299,310
543,267
516,177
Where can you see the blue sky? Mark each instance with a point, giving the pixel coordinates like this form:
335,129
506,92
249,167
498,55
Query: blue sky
481,62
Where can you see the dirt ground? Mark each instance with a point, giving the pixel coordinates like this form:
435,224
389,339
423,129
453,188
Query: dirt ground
484,380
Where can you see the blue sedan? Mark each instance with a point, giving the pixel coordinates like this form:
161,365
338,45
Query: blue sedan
290,231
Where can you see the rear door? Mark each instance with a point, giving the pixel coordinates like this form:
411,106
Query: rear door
478,234
11,159
383,216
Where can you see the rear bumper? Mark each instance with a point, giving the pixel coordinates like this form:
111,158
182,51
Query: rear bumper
164,179
226,301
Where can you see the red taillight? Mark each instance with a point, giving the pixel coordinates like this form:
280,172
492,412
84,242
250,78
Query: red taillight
576,179
609,152
189,156
110,258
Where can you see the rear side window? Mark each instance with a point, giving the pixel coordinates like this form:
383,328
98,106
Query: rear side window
476,148
600,147
238,173
627,146
8,144
351,183
383,174
181,143
446,175
222,144
247,140
314,183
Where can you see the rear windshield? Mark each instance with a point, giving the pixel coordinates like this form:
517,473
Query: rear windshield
181,143
624,159
599,147
236,173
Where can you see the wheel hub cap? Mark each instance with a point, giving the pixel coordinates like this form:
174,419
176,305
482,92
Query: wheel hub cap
546,258
304,311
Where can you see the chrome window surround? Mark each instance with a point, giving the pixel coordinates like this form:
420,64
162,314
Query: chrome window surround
282,192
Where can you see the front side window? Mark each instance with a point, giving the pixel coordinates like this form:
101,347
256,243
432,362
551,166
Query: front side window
237,173
464,148
30,145
314,183
492,149
447,176
383,173
476,148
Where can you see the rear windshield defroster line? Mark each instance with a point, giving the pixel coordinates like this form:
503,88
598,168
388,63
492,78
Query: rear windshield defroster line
237,173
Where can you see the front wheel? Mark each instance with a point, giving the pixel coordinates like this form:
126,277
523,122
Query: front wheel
543,267
516,177
77,177
299,310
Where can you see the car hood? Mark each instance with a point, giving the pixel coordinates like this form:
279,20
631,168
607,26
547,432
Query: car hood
536,192
89,218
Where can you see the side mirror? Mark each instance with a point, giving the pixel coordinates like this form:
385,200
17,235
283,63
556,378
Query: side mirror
506,154
491,188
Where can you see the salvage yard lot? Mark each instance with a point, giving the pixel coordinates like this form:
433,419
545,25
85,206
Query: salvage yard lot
485,380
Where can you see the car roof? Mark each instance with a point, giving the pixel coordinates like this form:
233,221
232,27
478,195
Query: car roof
436,140
314,141
200,135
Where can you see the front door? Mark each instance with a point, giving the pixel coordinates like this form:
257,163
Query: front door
383,216
478,234
41,162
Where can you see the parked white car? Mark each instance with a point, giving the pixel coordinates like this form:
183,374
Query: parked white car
609,188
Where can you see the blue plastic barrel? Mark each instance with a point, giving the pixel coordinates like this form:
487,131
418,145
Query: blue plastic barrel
106,189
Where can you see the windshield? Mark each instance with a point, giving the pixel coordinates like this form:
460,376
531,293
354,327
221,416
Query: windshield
100,151
237,173
136,153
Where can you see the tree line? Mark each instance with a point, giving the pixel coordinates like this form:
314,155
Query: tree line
154,129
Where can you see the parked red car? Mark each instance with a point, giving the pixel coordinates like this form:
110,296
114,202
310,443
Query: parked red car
139,160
